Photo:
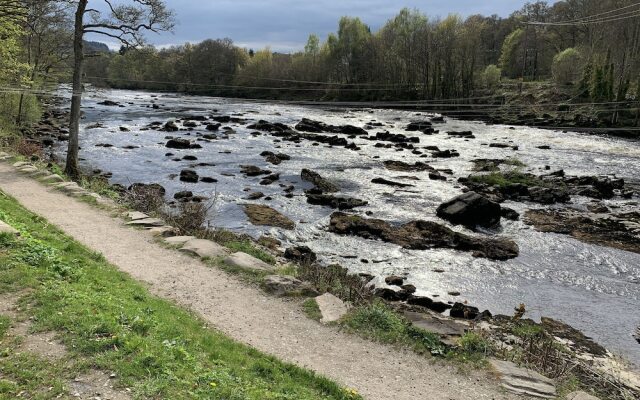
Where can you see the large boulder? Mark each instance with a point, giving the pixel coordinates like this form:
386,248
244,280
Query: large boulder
422,235
470,209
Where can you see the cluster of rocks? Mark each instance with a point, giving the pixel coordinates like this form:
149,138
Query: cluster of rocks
422,235
551,188
618,230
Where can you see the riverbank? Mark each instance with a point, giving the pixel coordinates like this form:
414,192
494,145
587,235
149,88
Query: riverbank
496,336
73,325
242,163
239,310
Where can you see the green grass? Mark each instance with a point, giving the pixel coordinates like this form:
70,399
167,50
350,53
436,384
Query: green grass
248,247
380,323
502,179
109,321
311,309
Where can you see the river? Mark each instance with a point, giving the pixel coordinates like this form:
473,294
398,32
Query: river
594,288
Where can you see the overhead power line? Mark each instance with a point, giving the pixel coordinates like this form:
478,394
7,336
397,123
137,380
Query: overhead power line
607,16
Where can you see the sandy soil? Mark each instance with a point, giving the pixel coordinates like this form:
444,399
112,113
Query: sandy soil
269,324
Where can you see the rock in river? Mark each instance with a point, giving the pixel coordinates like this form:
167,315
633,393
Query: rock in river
263,215
188,175
422,235
341,203
619,231
470,209
300,254
318,181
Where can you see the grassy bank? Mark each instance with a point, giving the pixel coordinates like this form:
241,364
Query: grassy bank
109,322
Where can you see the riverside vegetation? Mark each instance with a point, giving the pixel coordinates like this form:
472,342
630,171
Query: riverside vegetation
109,322
522,340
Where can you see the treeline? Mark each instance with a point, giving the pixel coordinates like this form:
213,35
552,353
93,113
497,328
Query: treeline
591,44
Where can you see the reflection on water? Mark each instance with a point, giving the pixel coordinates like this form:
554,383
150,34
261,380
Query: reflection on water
594,288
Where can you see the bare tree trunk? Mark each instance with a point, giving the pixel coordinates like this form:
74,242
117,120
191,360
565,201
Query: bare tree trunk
71,168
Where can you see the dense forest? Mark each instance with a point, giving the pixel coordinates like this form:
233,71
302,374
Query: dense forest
592,44
587,49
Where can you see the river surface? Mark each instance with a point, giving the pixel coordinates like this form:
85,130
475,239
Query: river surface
594,288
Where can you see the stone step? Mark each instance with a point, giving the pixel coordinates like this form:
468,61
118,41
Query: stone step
178,240
331,308
146,222
246,261
204,248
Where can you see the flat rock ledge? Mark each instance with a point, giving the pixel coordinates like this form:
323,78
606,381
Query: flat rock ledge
178,240
331,308
523,381
146,222
203,248
246,261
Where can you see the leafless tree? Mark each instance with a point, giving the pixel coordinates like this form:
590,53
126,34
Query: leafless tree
125,23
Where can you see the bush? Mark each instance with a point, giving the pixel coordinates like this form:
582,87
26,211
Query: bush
29,149
491,76
566,67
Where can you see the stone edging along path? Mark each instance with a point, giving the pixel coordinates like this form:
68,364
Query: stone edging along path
245,313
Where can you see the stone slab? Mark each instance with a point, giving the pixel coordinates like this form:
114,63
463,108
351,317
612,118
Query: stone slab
6,228
178,240
443,327
203,248
246,261
150,222
135,215
331,308
53,178
523,381
163,231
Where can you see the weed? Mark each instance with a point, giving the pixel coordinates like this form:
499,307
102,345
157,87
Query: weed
502,179
248,247
337,280
378,322
311,309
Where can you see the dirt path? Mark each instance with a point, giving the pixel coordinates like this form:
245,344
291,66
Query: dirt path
269,324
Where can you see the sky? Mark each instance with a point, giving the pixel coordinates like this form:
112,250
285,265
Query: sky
284,25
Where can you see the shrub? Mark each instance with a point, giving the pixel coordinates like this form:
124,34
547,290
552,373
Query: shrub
145,198
29,148
491,76
189,218
566,66
337,280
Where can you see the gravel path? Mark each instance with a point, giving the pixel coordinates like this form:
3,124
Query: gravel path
272,325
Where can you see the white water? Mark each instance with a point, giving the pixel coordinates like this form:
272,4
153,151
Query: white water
594,288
